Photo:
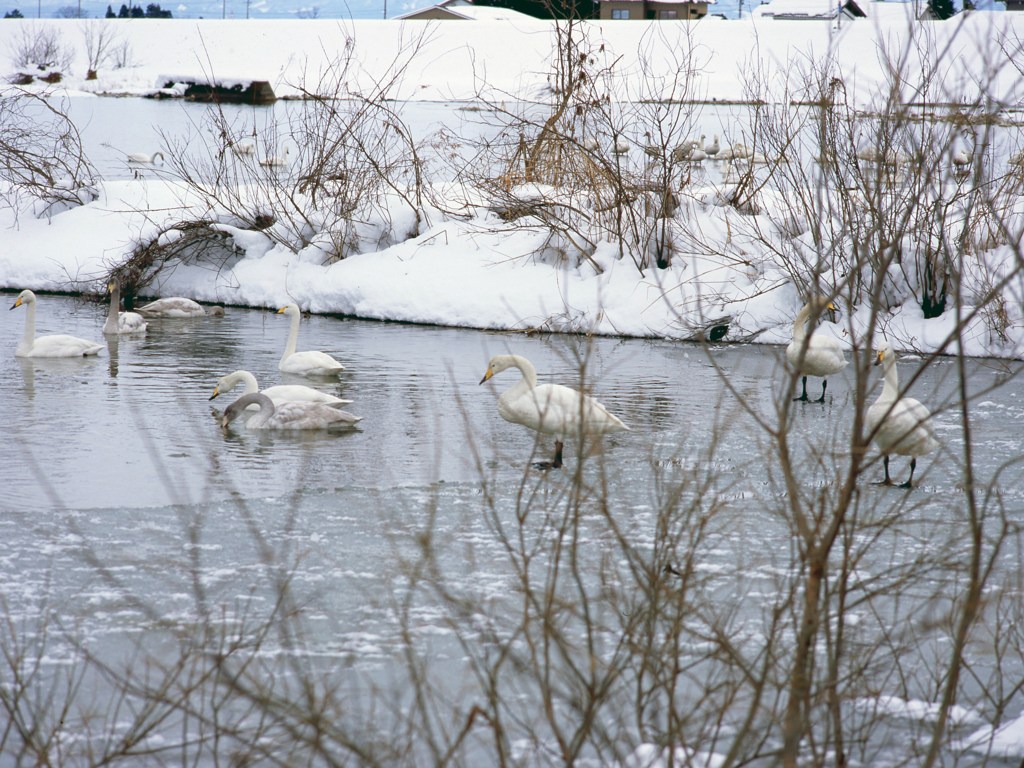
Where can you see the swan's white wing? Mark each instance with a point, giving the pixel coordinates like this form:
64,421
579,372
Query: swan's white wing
310,363
296,415
557,410
906,429
284,393
60,345
172,307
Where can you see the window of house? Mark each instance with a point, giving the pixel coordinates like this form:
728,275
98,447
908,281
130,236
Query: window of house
667,15
620,13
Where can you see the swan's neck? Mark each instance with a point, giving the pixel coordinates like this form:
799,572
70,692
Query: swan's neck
115,305
28,340
800,325
249,381
262,416
891,383
526,384
293,338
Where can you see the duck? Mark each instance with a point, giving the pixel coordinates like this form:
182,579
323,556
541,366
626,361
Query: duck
283,393
550,409
304,363
122,323
276,161
173,306
900,425
144,159
818,355
287,415
58,345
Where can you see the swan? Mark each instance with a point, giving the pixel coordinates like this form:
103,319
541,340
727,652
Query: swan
818,355
174,306
621,145
122,323
304,363
898,424
713,148
961,158
276,161
650,148
549,408
142,157
48,346
591,144
287,415
1017,158
244,148
284,393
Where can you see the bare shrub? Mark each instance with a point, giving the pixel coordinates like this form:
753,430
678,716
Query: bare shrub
101,42
40,48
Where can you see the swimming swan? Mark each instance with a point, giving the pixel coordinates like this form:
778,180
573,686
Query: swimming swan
122,323
899,425
823,355
174,306
284,393
142,157
287,415
276,161
549,408
48,346
304,363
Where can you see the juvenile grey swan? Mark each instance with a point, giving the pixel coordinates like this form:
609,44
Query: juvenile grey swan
287,416
823,355
283,393
122,323
311,363
900,425
550,409
58,345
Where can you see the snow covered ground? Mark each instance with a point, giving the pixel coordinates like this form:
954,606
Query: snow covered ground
477,270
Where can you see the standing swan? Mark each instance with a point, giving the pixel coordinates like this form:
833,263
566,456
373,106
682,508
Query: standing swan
287,415
284,393
304,363
122,323
173,306
143,158
549,408
898,424
48,346
815,356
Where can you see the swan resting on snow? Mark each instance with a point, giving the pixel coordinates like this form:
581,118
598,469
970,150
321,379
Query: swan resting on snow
174,306
284,393
900,425
122,323
304,363
57,345
549,408
287,416
818,355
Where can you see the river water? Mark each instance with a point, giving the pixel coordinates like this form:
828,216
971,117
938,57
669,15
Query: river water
121,493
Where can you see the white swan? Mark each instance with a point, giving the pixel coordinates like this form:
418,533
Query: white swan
713,148
143,158
621,146
244,148
283,393
1017,158
549,408
304,363
590,144
287,415
817,356
897,424
650,148
122,323
173,306
276,161
48,346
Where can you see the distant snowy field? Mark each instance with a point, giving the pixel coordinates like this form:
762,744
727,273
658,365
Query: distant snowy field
481,272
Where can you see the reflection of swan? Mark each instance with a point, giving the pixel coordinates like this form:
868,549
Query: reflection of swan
902,425
823,355
304,363
284,393
287,415
122,322
48,346
276,161
549,408
898,426
142,157
173,306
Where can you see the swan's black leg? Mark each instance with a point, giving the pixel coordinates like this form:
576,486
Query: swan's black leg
556,463
885,463
824,383
803,397
913,465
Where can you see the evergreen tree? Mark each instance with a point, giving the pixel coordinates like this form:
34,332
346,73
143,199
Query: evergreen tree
15,14
942,9
135,12
123,13
110,13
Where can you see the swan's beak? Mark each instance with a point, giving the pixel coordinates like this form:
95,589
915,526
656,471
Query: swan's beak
282,309
490,372
216,391
224,422
880,358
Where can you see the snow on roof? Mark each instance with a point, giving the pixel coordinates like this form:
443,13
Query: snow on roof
466,10
808,9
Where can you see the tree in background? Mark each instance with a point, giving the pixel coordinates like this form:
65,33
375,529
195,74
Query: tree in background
15,14
942,9
154,11
110,13
70,12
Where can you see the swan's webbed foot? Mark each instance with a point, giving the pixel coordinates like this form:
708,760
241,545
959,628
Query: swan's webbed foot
908,485
555,463
803,397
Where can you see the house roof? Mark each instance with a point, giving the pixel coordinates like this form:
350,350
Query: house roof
808,9
462,9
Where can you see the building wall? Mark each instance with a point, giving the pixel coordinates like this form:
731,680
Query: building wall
429,14
639,10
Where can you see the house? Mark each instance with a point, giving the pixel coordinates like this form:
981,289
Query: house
659,10
465,10
822,10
